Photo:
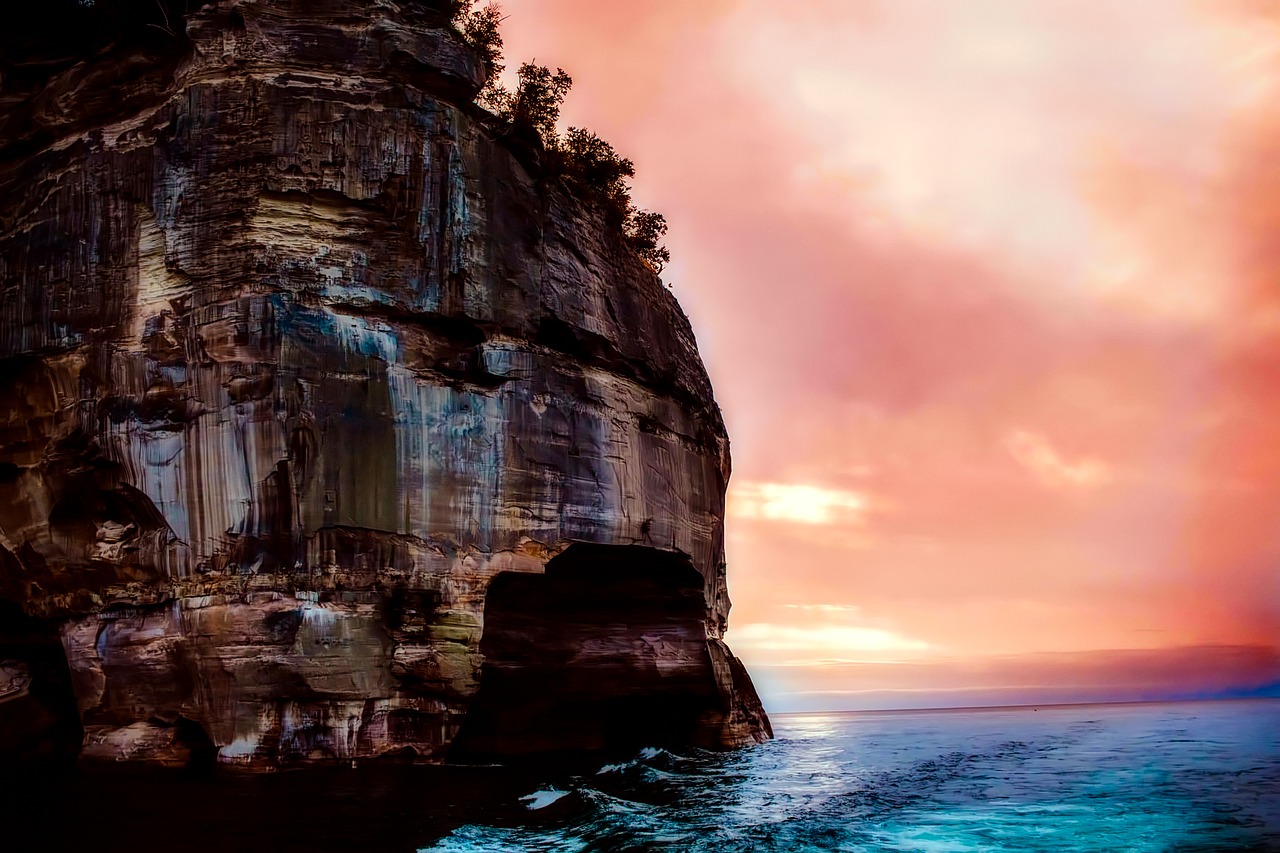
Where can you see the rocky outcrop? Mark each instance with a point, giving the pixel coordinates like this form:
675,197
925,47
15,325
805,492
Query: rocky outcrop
329,428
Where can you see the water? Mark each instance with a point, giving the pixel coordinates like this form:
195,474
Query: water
1201,776
1162,777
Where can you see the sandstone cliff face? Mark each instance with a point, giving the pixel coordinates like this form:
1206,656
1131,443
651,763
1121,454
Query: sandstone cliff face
328,429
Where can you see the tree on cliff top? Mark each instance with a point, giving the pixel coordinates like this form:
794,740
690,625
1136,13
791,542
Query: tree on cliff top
536,102
580,156
590,160
480,28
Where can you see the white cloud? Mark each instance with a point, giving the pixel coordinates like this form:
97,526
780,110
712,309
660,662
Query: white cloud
795,502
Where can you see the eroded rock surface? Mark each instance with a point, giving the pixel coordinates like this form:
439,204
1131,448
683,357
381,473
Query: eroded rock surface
307,380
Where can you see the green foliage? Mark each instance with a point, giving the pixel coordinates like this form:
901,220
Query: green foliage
480,28
580,156
592,162
533,106
645,229
538,99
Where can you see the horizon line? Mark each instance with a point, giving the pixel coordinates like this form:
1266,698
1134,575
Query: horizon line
1036,705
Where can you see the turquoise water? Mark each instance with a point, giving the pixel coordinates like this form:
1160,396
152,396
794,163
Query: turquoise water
1201,776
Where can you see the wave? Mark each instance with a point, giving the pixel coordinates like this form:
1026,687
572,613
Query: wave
1088,784
541,799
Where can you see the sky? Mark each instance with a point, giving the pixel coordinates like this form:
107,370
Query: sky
989,293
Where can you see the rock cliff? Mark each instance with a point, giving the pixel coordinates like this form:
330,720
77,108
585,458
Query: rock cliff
329,427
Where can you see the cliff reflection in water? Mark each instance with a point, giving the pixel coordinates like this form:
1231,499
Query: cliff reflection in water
371,809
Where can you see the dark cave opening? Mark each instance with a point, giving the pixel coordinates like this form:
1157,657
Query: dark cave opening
39,721
604,653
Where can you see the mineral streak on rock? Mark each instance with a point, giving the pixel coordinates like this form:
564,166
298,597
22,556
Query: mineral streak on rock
328,427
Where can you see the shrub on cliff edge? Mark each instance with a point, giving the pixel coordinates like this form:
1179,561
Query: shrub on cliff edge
580,156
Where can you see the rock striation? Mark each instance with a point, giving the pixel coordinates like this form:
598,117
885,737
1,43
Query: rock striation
330,428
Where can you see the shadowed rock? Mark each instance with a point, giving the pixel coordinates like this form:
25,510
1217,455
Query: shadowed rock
606,651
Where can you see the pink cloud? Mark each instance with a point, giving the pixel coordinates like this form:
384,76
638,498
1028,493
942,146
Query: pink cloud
1006,276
